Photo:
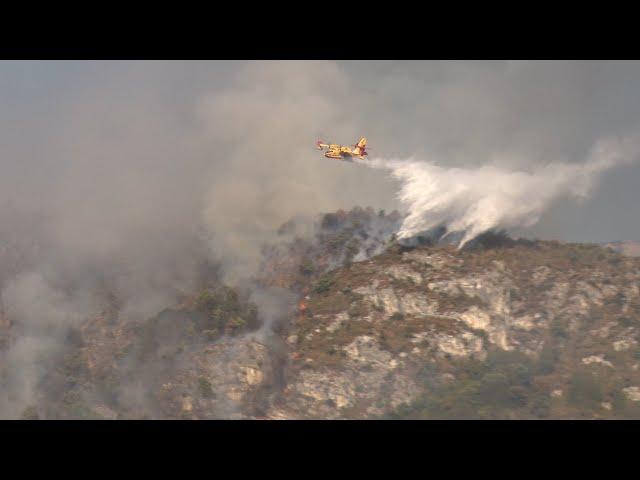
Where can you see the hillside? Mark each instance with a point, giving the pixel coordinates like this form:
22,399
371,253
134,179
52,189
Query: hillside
631,249
511,330
366,328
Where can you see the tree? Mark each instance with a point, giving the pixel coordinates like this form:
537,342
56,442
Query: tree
323,285
306,267
30,413
204,386
540,405
619,402
547,359
585,390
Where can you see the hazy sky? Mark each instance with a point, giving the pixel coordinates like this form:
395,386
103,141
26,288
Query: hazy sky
110,172
135,142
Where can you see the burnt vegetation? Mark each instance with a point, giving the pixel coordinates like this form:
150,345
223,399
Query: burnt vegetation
340,238
106,361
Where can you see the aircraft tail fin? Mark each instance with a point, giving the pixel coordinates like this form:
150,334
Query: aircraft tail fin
360,147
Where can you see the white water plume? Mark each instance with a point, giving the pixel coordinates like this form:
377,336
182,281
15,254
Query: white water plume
470,201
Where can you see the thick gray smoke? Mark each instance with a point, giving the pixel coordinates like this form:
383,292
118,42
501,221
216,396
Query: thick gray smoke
124,177
470,201
44,314
264,128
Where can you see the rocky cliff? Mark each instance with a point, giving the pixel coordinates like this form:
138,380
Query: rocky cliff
513,330
502,329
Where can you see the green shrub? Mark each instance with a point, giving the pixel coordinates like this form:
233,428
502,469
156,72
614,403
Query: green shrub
217,318
494,389
323,285
585,390
472,368
306,267
627,321
224,309
210,334
498,387
251,316
205,301
204,387
520,374
352,249
499,358
338,240
377,307
547,360
518,396
237,322
190,330
223,298
109,385
30,413
559,329
619,402
73,363
573,258
540,405
517,366
74,338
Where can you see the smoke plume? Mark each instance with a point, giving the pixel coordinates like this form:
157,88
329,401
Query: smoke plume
124,178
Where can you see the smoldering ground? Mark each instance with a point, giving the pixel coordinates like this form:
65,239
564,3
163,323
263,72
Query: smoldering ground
136,189
132,174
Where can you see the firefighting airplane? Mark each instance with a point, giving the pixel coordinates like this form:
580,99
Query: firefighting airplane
343,152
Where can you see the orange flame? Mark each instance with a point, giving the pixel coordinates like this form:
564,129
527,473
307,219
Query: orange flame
302,306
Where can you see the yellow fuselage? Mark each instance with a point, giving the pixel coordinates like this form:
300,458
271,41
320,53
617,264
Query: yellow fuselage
340,152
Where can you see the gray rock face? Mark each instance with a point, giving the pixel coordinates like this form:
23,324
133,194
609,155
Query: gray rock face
235,368
434,305
362,344
632,393
368,380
